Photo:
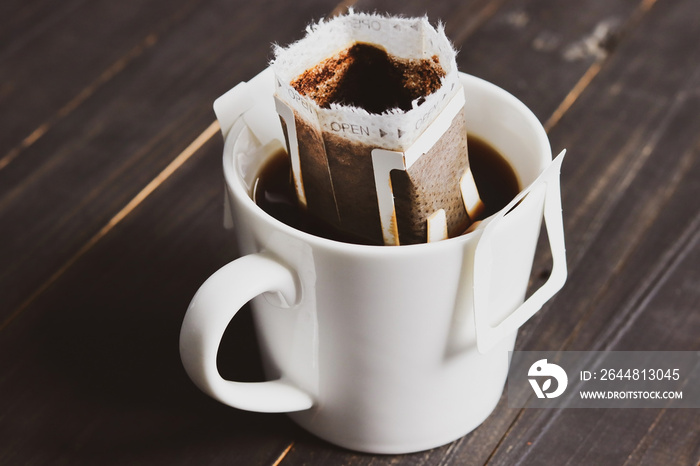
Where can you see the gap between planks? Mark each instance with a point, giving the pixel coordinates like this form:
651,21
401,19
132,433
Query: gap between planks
172,167
279,459
119,65
76,101
660,273
185,155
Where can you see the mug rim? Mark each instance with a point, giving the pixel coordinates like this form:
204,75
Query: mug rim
236,186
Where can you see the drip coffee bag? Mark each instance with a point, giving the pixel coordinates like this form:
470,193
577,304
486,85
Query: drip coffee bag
372,112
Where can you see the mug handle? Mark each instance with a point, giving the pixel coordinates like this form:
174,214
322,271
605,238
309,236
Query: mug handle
216,302
487,336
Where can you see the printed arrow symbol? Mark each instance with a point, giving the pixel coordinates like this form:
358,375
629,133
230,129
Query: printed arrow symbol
382,133
400,132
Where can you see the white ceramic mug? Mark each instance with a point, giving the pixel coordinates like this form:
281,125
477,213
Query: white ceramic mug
383,349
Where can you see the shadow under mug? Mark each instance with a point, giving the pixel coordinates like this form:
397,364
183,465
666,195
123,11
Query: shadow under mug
382,349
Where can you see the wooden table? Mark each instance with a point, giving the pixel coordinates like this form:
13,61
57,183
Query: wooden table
111,199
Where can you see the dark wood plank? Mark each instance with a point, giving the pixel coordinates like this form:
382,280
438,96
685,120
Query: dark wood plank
628,191
671,439
666,320
632,241
20,20
91,371
532,48
101,381
75,178
55,54
662,317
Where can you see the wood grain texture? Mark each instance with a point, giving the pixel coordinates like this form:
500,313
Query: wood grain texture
102,381
512,43
632,242
72,180
59,55
89,369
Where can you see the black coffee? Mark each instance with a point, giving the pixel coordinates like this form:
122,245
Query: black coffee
274,190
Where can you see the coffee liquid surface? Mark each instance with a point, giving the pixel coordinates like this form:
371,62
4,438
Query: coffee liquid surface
366,76
274,190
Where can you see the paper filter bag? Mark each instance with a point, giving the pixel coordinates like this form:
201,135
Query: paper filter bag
372,111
